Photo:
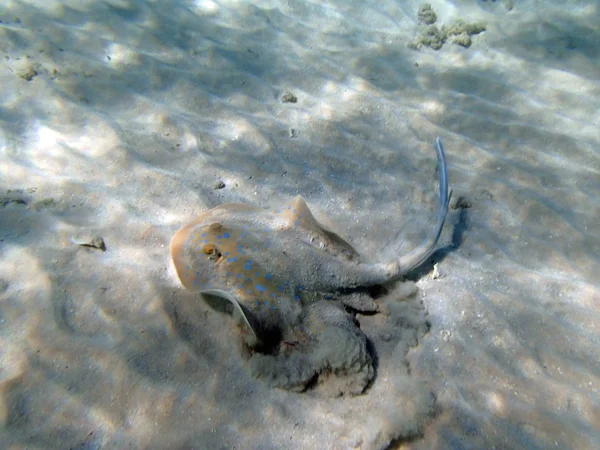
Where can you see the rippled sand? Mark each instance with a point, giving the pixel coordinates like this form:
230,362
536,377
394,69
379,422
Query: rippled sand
119,119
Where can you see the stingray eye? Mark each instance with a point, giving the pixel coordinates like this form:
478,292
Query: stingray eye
211,251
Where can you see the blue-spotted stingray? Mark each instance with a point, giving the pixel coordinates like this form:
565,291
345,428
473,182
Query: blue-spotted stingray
281,273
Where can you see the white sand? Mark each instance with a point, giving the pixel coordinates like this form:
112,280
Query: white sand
134,110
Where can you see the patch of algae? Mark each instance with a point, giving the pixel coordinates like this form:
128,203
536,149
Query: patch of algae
459,32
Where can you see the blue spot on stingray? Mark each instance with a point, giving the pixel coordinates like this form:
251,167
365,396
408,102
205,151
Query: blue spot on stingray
248,279
261,288
197,273
266,303
226,235
218,237
297,297
280,288
205,241
228,274
239,275
329,297
257,274
187,267
232,259
296,222
268,276
249,291
203,234
226,253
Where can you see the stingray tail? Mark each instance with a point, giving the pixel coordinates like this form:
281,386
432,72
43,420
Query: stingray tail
413,259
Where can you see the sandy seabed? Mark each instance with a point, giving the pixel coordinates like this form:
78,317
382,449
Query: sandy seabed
122,120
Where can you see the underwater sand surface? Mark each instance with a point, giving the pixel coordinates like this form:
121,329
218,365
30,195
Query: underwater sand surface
123,120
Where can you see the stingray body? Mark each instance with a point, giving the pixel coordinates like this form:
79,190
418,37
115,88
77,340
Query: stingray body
267,265
265,259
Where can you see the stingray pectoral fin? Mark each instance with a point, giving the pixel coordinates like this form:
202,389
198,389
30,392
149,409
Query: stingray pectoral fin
223,301
413,259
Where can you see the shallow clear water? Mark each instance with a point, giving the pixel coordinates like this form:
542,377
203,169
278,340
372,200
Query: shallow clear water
119,118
